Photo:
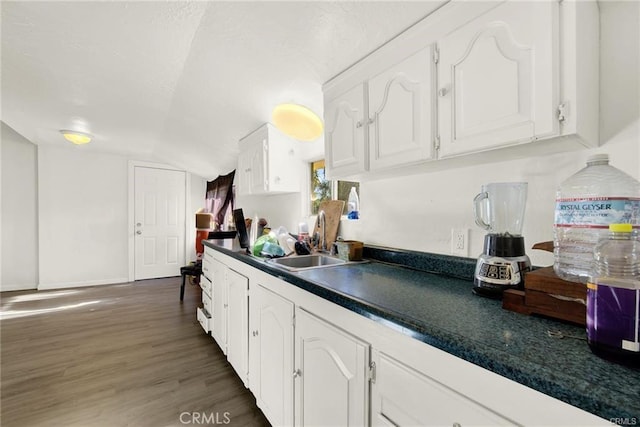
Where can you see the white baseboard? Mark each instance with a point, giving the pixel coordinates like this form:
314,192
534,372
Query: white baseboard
18,287
85,283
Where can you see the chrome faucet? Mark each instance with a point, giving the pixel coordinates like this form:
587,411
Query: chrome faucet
323,228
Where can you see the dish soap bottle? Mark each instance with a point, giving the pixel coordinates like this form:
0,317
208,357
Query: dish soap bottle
353,205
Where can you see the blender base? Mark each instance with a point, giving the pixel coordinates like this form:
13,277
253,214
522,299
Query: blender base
501,266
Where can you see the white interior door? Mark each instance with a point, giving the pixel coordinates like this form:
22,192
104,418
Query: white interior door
159,216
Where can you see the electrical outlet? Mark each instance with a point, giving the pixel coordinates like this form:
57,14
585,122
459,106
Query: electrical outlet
460,241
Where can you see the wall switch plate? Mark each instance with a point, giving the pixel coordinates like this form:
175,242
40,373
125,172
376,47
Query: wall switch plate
460,241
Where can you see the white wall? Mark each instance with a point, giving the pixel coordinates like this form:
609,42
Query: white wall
83,217
19,218
64,215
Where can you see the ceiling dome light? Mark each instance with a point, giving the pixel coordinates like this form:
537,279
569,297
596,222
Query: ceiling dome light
76,137
297,121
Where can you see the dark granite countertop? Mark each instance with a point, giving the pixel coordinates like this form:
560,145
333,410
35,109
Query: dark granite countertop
432,302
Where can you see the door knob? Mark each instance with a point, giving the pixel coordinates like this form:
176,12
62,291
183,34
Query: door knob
138,224
297,373
138,232
442,92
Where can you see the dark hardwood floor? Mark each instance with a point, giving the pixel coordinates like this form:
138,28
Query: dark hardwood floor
117,355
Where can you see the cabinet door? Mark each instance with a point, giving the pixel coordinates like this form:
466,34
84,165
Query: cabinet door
498,78
238,323
331,375
401,104
219,297
258,167
401,396
344,143
244,173
272,355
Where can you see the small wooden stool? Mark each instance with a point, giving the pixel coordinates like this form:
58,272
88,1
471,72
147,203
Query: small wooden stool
194,269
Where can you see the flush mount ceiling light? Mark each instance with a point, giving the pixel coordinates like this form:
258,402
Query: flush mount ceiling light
297,121
76,137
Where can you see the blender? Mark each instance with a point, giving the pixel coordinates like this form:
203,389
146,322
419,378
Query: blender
499,209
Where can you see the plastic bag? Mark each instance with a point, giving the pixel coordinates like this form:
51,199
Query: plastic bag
259,244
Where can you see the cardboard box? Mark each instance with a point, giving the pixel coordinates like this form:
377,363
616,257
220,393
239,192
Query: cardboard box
204,220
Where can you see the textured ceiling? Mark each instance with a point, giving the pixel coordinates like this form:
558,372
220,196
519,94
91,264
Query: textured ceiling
179,82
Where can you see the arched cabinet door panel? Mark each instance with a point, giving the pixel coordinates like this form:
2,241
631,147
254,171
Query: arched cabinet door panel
401,104
345,134
498,79
331,385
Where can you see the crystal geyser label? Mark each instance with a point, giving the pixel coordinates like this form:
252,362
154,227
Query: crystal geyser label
597,212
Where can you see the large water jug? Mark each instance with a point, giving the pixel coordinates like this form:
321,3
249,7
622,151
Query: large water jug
586,203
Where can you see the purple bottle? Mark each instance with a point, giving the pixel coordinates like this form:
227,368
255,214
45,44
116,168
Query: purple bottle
613,296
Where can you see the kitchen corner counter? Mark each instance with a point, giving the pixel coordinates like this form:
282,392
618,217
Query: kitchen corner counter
438,308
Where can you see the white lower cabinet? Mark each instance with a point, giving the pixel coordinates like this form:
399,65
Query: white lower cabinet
331,373
229,323
237,320
204,313
204,319
310,362
271,355
219,309
401,396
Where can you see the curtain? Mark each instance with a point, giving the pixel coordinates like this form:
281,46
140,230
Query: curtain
219,198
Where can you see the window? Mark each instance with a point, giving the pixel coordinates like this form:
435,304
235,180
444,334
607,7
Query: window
324,189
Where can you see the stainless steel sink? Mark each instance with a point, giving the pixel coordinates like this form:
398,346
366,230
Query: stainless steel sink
304,262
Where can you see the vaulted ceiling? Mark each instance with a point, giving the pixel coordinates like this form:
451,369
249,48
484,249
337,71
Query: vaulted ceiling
179,82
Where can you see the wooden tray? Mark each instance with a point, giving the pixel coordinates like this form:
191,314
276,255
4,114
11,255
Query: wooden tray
548,295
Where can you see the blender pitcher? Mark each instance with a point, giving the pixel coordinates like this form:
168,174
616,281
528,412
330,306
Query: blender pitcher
499,208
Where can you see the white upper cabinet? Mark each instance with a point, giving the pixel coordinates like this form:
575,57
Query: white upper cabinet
385,120
344,116
497,78
268,163
400,112
469,78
